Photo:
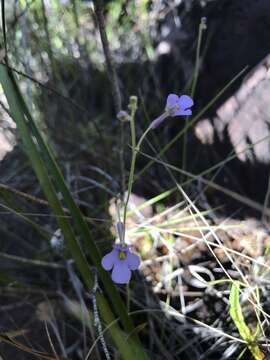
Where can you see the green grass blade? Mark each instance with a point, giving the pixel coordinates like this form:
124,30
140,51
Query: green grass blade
239,321
152,201
79,221
35,148
39,167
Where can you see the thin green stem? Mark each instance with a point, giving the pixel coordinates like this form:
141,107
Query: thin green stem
143,137
132,166
202,27
135,150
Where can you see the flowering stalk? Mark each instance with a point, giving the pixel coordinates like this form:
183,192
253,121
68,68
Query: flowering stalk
175,106
136,147
121,260
133,105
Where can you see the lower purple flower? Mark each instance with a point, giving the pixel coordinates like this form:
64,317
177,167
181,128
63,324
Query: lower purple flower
122,261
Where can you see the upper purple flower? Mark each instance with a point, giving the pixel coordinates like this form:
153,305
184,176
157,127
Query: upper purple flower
175,106
122,261
179,105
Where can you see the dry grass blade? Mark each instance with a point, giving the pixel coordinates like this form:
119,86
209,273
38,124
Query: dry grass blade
38,354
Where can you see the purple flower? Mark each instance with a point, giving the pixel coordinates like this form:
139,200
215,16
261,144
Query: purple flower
122,261
175,106
179,105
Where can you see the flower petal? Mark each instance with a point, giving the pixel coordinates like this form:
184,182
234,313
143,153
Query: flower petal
187,112
109,260
181,112
121,273
185,102
172,100
133,261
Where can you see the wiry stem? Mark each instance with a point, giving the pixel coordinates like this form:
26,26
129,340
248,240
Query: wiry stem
98,6
202,27
108,56
133,160
136,148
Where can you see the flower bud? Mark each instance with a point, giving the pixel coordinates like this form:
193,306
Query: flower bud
133,103
123,116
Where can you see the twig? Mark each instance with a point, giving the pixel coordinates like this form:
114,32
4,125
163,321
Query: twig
48,38
32,262
116,94
108,56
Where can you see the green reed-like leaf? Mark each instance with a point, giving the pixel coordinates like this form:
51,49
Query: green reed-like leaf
79,221
239,321
51,179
